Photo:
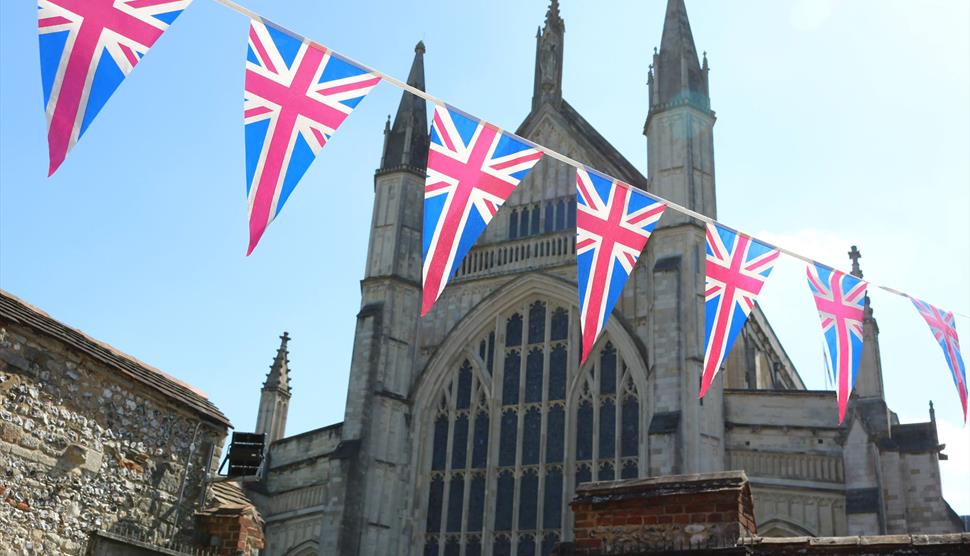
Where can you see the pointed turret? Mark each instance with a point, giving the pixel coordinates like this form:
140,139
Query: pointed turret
677,72
549,47
274,400
406,141
278,377
680,118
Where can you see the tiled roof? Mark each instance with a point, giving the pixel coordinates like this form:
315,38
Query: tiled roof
20,312
228,497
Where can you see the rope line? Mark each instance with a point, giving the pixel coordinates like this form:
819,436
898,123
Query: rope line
547,151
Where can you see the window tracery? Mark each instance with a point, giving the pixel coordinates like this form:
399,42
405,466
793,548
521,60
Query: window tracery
531,441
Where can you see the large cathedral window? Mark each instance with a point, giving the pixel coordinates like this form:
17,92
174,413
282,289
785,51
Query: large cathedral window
515,426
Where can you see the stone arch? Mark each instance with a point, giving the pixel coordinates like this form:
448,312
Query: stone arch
779,527
440,484
504,298
306,548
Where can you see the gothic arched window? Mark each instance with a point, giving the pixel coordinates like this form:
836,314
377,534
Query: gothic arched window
517,418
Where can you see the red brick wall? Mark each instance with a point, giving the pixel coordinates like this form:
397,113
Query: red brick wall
235,533
657,521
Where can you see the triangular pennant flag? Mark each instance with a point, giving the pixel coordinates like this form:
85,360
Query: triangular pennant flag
87,48
297,94
613,224
840,300
944,329
472,169
737,267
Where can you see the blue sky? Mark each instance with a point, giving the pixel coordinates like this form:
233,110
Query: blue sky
839,123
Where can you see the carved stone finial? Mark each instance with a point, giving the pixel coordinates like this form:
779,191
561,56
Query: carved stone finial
855,255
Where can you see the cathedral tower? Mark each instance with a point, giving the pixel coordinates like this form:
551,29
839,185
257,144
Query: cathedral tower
274,400
375,436
680,163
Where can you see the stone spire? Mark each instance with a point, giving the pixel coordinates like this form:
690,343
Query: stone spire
676,74
274,399
406,141
549,47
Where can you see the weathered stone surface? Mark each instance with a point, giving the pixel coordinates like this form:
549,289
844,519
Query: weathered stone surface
83,448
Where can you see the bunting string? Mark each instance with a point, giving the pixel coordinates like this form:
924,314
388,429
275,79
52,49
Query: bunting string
555,154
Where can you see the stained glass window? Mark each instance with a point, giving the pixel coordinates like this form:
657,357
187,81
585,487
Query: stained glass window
561,215
528,494
531,436
533,376
514,225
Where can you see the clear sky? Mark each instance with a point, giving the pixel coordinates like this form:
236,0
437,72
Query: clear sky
839,123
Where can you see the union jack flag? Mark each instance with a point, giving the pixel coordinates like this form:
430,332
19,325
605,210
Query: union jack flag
944,330
472,169
840,300
737,267
87,48
613,224
297,94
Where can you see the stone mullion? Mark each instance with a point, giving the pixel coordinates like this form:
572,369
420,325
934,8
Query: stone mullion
594,375
469,446
494,422
446,491
543,430
569,434
520,421
618,389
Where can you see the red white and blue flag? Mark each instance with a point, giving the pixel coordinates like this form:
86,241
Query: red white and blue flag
943,326
472,169
87,48
840,300
613,224
737,267
297,94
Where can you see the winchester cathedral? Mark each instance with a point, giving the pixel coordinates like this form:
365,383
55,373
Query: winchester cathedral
467,432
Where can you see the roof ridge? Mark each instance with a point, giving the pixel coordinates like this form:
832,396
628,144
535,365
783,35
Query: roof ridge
36,312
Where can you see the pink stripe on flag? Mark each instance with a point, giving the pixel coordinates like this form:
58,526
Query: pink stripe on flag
259,110
260,50
350,86
130,54
52,21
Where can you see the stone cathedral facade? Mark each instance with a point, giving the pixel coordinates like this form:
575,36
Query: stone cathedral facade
467,431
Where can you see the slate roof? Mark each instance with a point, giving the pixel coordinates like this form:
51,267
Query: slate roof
22,313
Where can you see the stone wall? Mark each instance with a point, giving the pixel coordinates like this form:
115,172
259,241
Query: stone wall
303,489
84,447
